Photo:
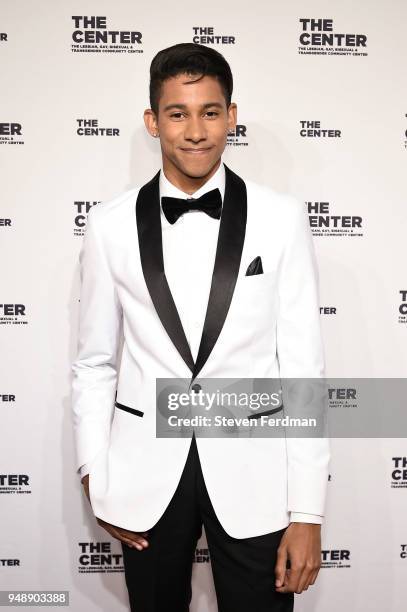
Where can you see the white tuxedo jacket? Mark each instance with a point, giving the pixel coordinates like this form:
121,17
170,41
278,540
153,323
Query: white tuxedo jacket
266,325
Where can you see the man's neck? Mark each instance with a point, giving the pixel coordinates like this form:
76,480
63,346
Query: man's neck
187,184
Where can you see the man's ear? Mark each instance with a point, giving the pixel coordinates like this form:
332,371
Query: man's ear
232,116
150,121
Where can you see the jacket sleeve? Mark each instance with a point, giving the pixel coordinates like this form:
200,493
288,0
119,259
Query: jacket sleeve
95,366
301,355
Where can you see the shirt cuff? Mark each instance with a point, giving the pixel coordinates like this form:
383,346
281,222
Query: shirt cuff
83,470
304,517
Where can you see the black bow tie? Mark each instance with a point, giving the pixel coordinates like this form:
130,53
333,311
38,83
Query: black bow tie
210,203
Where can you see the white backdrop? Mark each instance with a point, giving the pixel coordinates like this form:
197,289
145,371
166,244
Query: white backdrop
53,78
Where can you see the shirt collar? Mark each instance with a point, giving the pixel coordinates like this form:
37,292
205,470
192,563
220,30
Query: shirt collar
168,189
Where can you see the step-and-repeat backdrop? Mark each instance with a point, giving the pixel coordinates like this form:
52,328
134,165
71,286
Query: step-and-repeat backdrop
322,114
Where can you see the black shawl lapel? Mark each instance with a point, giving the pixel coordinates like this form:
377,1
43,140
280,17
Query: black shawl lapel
227,262
148,212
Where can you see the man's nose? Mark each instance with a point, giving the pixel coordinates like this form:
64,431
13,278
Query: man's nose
195,130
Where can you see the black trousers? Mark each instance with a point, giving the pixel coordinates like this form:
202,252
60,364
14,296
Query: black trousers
158,578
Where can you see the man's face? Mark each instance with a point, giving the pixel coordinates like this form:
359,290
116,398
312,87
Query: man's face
193,122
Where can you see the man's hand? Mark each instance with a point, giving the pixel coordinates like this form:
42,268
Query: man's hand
131,538
301,545
85,482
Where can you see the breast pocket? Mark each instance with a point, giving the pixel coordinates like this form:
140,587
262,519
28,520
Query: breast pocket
255,296
255,283
256,279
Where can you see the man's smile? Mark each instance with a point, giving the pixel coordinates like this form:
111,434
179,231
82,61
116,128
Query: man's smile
198,151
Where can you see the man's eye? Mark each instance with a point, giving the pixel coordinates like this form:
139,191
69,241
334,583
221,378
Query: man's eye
176,115
212,113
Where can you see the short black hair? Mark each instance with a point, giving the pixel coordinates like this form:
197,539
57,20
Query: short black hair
189,58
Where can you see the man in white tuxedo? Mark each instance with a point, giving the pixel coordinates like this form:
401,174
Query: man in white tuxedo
198,274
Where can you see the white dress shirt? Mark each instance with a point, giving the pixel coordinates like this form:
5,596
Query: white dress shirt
183,242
